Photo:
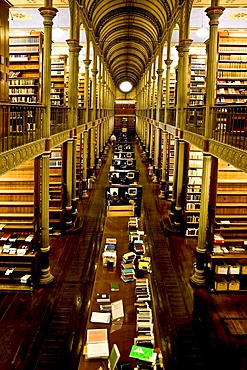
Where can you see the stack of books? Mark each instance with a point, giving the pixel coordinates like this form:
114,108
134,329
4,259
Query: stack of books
97,345
142,290
22,249
144,326
128,267
109,254
128,274
144,264
6,247
133,223
139,247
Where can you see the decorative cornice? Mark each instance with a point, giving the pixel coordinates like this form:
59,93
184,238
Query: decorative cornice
17,156
195,139
234,156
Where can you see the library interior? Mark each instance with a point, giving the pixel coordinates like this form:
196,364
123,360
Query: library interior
123,185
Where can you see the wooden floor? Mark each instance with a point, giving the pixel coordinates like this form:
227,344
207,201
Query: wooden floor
46,329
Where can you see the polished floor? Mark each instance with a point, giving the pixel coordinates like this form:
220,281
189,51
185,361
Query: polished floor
45,329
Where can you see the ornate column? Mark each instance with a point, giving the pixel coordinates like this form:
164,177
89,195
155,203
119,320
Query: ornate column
213,13
153,91
85,157
86,92
94,104
168,63
70,179
48,13
158,106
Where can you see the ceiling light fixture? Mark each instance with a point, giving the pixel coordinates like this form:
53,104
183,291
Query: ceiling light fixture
125,86
202,31
57,32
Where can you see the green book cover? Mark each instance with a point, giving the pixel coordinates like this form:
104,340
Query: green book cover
142,353
114,286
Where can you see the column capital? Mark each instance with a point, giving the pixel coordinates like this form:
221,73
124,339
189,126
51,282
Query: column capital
48,13
87,62
185,44
214,12
160,71
73,44
168,62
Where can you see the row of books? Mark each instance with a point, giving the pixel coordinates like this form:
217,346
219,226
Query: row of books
16,237
9,248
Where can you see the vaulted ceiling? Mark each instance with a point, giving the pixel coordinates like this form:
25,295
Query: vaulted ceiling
128,32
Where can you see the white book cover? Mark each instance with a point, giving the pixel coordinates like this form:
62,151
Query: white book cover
101,317
117,310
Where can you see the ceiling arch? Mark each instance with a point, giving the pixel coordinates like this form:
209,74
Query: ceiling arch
128,32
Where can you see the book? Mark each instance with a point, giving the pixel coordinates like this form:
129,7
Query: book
5,236
103,297
96,335
117,310
105,307
101,317
142,353
114,357
97,350
97,344
114,286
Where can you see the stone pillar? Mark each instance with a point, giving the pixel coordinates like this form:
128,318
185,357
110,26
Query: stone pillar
94,106
86,92
70,180
85,157
213,13
45,274
199,274
153,91
48,13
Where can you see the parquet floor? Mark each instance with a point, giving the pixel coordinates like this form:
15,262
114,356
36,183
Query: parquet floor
45,329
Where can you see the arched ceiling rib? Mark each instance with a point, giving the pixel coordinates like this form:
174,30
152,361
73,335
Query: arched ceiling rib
128,32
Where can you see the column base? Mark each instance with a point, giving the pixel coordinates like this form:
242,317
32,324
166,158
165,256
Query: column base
198,278
161,195
46,277
84,194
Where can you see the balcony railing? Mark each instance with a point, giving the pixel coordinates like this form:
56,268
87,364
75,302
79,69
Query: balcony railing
171,116
59,119
230,125
195,120
19,124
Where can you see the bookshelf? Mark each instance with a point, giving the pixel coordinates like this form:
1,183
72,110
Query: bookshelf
81,88
232,69
25,68
170,164
19,228
56,190
172,90
197,79
228,252
193,194
58,79
4,53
